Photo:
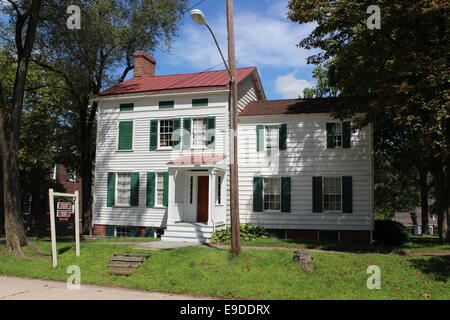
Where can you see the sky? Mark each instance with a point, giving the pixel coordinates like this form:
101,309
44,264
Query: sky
264,38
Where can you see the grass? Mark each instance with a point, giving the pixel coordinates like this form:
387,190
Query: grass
416,245
257,274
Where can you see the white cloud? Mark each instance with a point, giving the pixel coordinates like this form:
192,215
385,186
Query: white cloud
290,87
261,40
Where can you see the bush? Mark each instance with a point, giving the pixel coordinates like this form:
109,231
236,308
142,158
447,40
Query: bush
390,233
248,232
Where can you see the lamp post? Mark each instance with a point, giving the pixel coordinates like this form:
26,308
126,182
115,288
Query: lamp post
199,18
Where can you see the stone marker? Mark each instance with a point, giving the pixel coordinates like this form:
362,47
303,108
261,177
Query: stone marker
304,260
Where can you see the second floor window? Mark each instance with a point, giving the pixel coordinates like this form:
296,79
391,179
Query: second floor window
199,132
165,133
338,134
272,137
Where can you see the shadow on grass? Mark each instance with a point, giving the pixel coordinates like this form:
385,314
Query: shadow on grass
437,267
65,249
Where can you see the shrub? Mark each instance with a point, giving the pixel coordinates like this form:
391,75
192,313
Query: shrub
248,232
390,233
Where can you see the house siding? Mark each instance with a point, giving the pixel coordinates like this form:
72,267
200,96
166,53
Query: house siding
306,156
141,159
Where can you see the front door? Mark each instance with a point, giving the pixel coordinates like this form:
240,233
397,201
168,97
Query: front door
202,199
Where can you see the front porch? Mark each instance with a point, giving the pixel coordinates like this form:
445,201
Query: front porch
197,198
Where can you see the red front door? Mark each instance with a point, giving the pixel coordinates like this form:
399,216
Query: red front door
202,199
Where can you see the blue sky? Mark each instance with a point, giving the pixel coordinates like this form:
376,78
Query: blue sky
265,38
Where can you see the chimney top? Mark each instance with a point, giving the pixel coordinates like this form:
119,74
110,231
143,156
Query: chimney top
144,64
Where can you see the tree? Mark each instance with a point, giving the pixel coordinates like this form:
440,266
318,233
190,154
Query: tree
402,69
24,19
87,59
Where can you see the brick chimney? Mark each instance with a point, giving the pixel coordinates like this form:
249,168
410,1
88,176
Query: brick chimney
144,64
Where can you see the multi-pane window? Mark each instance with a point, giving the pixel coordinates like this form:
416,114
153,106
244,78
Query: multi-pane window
272,193
332,193
160,189
338,135
123,189
122,231
71,176
219,190
199,132
272,137
165,133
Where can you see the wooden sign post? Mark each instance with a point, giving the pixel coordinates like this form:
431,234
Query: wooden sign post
63,210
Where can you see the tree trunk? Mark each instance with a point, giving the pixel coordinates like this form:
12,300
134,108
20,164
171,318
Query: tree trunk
442,199
424,200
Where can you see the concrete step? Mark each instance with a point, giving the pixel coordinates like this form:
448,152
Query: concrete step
189,234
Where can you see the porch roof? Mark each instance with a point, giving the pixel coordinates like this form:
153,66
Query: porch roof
194,160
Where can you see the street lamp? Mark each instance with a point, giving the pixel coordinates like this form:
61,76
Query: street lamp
199,17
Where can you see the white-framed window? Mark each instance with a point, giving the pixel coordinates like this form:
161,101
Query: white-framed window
338,134
271,135
332,193
72,176
272,194
123,189
159,189
219,190
165,133
122,231
199,132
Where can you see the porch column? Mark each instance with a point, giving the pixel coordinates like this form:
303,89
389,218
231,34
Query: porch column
212,196
172,214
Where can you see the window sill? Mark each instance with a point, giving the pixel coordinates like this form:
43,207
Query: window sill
131,150
123,206
157,207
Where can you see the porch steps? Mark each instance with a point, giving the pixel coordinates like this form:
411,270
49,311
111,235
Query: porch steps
189,232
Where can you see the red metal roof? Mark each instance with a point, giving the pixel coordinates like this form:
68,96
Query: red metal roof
200,159
209,79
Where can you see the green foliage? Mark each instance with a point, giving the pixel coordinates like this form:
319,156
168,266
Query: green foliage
390,233
248,232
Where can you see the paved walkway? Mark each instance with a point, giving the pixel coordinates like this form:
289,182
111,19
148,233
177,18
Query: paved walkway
14,288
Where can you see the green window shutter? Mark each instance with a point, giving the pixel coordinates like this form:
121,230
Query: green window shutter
126,107
176,135
347,194
285,194
151,176
166,104
110,231
282,136
257,194
153,134
211,131
166,189
111,192
125,135
317,194
199,102
331,128
346,134
134,195
259,137
186,133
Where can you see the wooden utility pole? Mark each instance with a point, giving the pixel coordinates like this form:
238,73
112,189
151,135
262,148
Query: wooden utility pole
234,181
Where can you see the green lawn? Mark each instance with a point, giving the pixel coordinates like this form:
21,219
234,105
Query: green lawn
259,274
417,244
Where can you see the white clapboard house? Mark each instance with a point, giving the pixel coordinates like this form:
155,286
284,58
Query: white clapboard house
162,162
